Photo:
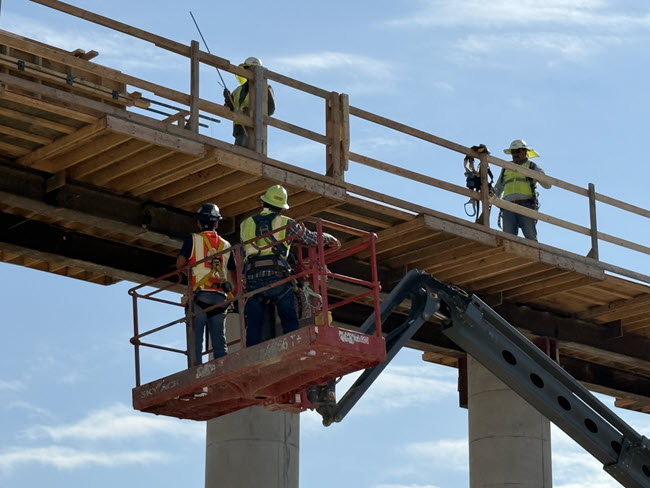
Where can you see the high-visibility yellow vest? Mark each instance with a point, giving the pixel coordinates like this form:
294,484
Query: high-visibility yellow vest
514,182
210,274
261,224
240,105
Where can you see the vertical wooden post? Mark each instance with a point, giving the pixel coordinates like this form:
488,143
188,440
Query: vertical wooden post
333,132
345,133
193,122
259,105
485,190
594,226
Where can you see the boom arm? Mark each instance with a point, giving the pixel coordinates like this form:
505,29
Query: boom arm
498,346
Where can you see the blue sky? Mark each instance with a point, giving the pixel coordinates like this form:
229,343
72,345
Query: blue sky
567,76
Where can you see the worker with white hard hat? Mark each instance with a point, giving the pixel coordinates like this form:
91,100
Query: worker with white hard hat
519,189
239,101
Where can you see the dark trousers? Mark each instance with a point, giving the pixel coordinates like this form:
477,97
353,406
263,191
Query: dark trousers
215,321
280,297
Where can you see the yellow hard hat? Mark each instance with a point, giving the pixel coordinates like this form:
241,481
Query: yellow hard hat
521,144
276,196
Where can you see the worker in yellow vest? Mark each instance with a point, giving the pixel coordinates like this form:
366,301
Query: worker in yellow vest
519,189
266,263
239,101
211,280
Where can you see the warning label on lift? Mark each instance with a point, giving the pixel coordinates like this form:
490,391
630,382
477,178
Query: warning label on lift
351,337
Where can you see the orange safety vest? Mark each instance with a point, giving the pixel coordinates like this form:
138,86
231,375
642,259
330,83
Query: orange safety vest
209,275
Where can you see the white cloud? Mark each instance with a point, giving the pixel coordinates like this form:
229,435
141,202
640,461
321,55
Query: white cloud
118,422
34,410
397,387
404,486
408,386
508,48
70,458
571,462
329,60
450,453
363,74
13,385
586,13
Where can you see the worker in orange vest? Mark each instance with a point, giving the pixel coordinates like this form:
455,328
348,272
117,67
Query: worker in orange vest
211,280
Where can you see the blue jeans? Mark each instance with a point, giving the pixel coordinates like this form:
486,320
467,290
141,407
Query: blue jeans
215,320
512,222
282,297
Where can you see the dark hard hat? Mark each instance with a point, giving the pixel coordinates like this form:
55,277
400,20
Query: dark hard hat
208,212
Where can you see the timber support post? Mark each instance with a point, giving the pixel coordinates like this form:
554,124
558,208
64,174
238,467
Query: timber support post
193,122
593,253
259,97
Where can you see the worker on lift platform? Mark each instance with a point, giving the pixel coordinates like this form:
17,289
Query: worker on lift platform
210,280
266,263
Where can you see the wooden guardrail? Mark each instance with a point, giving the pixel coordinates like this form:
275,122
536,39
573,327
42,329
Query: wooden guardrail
337,137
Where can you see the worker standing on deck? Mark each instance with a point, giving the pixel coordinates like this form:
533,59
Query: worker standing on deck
239,101
519,189
210,282
270,264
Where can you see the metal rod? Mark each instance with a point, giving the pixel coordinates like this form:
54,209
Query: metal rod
166,105
223,83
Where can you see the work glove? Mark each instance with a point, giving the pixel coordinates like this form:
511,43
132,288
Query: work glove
227,99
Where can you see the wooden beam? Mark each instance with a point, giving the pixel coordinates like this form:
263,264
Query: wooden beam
214,191
81,152
170,170
412,175
26,136
13,150
108,156
226,177
63,144
152,136
442,255
37,121
146,157
516,278
551,287
461,259
50,106
382,224
488,267
638,301
291,177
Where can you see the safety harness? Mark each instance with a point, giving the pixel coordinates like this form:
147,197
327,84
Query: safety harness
209,274
274,255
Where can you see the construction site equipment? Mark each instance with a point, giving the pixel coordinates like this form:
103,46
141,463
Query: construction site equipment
473,180
274,373
498,346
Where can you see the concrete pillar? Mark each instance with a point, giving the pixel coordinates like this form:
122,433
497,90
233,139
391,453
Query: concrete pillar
252,447
509,441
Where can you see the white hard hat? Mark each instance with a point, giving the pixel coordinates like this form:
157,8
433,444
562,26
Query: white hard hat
252,61
521,144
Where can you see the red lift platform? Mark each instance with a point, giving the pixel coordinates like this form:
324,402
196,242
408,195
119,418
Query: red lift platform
275,373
